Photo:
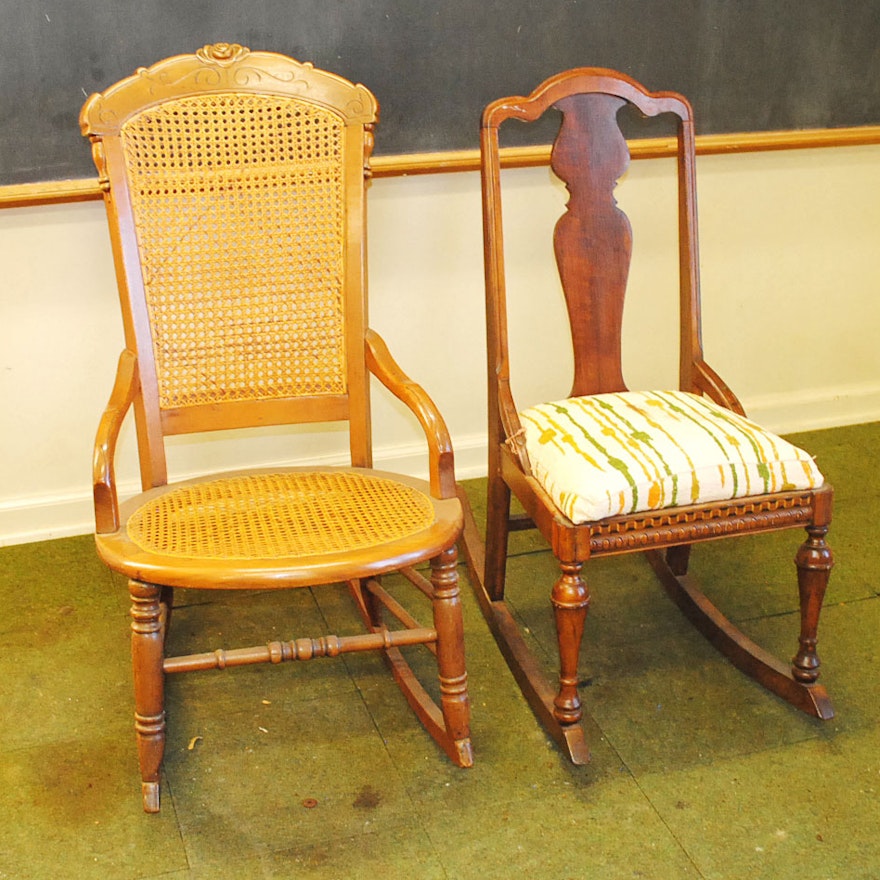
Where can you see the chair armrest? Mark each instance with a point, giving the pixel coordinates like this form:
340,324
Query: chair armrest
385,368
711,384
103,474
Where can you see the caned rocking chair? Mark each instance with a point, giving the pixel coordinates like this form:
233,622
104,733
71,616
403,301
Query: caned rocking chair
609,470
235,188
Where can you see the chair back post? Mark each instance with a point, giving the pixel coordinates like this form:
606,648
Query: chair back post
690,341
109,160
503,419
359,173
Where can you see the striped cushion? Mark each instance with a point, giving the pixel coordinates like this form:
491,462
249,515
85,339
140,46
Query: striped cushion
611,454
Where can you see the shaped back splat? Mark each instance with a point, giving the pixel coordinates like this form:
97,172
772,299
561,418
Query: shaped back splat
593,239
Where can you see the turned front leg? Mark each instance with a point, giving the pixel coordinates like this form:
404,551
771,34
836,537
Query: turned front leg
451,665
149,686
814,561
678,559
571,599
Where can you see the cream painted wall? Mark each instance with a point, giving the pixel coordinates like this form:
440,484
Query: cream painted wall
790,304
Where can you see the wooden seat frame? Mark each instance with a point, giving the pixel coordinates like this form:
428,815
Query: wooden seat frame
348,112
593,244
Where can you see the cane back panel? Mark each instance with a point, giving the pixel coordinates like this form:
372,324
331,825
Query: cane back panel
240,310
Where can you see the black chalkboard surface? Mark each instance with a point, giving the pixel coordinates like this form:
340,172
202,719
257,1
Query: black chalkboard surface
746,65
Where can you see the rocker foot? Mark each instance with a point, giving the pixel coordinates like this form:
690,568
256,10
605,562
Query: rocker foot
151,796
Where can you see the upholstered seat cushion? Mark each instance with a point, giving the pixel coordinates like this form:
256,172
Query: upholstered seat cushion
611,454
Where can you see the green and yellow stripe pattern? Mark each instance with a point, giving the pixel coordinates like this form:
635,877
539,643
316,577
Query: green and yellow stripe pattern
611,454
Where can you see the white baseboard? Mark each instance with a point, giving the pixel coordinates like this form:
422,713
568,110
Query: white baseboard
63,515
42,517
816,408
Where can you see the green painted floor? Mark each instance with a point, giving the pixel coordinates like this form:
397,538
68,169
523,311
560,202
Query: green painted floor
321,771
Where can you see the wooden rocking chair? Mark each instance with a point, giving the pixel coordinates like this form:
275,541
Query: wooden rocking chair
609,470
235,188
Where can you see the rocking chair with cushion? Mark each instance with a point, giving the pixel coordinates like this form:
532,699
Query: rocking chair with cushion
610,470
235,188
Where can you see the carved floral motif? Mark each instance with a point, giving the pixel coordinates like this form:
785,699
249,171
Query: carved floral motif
222,53
221,67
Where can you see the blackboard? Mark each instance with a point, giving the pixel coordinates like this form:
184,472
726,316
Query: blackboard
746,65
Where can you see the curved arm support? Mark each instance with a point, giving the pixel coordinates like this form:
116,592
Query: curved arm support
711,384
513,435
385,368
103,476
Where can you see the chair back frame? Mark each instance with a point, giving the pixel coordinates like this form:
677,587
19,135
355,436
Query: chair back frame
232,79
593,239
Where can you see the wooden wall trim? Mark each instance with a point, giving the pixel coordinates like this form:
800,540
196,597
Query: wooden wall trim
81,190
51,192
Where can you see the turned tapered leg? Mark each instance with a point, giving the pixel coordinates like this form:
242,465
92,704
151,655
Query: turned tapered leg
497,535
369,606
450,651
571,599
814,562
166,598
678,558
373,606
149,686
